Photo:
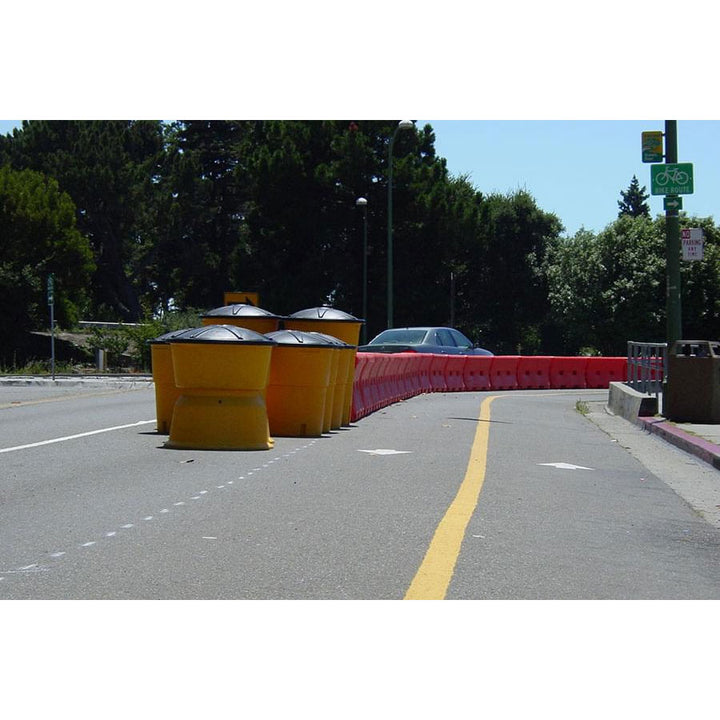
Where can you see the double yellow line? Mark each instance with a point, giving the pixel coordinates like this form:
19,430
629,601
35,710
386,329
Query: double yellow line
433,577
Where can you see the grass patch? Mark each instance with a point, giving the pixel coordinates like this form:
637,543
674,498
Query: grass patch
582,407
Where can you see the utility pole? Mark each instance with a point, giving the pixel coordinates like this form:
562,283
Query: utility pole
672,230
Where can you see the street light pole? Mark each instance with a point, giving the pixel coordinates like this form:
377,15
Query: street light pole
402,125
362,202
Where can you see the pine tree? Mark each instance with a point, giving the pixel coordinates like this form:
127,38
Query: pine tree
633,200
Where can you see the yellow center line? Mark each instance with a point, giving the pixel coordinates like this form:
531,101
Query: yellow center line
433,577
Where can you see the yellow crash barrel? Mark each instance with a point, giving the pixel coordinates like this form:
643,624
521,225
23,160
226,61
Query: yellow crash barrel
222,373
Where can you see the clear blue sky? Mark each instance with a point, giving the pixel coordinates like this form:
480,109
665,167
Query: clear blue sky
573,168
576,169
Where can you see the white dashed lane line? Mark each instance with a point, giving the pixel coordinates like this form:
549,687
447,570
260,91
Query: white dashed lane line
35,567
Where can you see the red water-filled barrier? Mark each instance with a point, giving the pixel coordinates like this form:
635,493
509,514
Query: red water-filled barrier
382,379
437,373
503,372
601,371
533,372
568,372
476,372
454,378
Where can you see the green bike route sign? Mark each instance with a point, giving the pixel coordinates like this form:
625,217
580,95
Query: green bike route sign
671,179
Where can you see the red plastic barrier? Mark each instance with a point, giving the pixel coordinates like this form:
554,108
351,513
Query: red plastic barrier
424,369
568,372
437,372
413,366
454,368
503,372
601,371
373,381
358,408
384,381
533,371
476,372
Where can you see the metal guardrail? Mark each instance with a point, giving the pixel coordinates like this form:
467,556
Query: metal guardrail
647,366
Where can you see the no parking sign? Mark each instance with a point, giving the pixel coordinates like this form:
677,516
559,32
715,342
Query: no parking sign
693,241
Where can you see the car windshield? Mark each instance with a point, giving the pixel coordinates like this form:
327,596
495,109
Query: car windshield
399,337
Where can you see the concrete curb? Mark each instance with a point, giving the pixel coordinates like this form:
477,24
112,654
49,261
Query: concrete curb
128,382
697,446
641,410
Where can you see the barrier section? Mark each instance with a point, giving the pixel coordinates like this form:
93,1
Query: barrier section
370,385
568,372
454,373
476,372
533,372
424,369
601,371
413,368
437,373
407,379
358,403
503,372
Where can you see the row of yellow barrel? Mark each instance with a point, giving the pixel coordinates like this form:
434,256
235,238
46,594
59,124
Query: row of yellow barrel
239,379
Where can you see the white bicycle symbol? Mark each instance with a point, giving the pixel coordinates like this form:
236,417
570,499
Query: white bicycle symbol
674,176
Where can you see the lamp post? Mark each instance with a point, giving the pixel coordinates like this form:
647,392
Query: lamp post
402,125
362,202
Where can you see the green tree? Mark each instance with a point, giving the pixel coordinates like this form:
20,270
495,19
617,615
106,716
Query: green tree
39,237
633,200
109,169
197,217
607,289
504,284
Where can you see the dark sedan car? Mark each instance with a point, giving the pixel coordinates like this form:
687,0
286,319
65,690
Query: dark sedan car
441,340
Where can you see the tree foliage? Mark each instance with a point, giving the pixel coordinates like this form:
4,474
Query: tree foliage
633,201
607,289
170,216
39,237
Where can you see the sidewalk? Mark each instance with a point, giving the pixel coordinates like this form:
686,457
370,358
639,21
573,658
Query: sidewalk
700,440
703,441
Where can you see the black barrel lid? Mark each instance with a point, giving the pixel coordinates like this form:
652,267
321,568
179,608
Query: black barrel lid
168,336
222,334
300,339
241,310
331,339
324,312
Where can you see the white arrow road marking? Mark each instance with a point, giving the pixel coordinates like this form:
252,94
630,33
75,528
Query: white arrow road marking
385,451
565,466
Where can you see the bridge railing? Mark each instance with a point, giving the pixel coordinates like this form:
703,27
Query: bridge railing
646,366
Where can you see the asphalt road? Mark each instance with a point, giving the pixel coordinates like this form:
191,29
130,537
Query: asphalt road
532,500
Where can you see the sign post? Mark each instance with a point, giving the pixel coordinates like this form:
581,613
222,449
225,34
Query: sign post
672,182
51,303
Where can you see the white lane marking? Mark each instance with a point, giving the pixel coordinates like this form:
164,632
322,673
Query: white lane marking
565,466
386,451
36,568
75,437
